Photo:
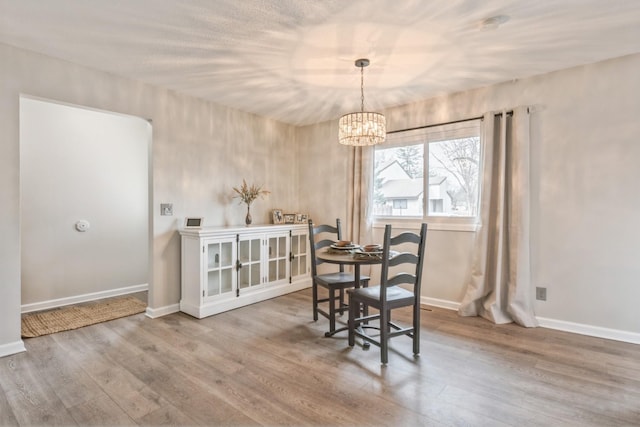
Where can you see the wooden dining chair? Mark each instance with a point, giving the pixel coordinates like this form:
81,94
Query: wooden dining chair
389,295
320,238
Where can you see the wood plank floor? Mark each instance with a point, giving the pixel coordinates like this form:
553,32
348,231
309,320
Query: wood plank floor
269,364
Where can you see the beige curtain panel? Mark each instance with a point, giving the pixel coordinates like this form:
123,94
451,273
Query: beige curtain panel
499,286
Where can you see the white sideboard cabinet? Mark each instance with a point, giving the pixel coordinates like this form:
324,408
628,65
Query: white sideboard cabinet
226,268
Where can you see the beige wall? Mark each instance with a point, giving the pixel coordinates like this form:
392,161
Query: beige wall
585,242
199,151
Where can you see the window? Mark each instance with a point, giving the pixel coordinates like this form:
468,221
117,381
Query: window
434,169
400,204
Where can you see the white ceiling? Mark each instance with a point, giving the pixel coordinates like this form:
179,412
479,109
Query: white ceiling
293,60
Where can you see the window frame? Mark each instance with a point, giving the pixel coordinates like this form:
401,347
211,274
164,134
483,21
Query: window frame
428,135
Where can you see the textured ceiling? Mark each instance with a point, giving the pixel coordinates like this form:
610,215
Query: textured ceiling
293,60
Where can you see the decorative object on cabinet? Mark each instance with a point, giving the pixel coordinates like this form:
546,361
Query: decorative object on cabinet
277,215
229,267
302,218
193,222
248,194
289,218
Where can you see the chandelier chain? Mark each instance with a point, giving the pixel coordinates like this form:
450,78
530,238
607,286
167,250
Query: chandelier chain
362,88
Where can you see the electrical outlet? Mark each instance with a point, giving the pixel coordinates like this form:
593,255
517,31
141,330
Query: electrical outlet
166,209
541,293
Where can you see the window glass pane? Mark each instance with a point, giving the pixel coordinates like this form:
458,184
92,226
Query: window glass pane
213,283
245,278
436,168
255,249
453,177
273,247
213,255
226,280
226,251
244,251
255,274
398,181
273,271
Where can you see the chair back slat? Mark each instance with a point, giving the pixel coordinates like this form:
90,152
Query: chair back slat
401,279
403,258
324,228
406,237
321,244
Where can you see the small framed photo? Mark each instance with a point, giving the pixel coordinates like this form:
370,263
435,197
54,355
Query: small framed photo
193,222
278,216
301,218
289,218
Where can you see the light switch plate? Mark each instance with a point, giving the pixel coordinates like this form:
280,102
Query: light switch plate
166,209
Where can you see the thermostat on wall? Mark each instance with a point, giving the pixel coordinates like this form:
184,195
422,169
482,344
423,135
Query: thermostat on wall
82,225
193,222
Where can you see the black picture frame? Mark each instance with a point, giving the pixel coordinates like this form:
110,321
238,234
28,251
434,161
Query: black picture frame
193,222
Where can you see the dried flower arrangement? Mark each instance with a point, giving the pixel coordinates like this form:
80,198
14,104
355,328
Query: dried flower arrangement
247,194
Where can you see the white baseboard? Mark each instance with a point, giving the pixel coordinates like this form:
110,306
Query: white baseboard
54,303
560,325
594,331
442,303
162,311
12,348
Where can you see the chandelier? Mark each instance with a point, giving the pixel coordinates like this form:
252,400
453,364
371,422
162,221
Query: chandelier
362,128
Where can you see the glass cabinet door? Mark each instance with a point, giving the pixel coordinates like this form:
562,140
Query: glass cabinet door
299,252
219,268
249,255
278,257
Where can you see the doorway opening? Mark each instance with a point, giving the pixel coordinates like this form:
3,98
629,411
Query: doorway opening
85,204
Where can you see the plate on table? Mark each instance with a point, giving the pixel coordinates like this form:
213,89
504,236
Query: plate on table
370,253
344,247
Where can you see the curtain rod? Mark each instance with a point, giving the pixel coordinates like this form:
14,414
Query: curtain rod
509,113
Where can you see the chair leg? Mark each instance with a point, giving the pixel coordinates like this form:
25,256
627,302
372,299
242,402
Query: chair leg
315,301
384,336
365,312
416,329
389,320
352,321
332,310
341,301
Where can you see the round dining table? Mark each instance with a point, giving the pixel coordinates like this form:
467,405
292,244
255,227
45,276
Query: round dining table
349,258
333,256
